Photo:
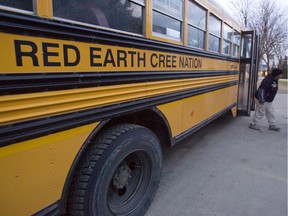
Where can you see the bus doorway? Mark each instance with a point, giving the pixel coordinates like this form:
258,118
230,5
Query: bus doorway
248,73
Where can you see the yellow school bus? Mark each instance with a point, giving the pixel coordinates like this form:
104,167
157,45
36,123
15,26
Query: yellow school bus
91,90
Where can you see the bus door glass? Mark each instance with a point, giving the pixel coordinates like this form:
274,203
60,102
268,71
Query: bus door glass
248,73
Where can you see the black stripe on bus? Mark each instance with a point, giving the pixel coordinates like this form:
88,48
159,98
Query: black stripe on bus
31,83
36,128
23,24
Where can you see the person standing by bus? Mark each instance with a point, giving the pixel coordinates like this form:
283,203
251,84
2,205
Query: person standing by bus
264,98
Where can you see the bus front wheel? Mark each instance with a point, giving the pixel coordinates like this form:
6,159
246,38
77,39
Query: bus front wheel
118,175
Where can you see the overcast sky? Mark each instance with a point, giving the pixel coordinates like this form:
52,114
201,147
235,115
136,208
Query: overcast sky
227,5
228,8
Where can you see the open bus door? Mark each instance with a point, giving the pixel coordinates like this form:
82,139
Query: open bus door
248,73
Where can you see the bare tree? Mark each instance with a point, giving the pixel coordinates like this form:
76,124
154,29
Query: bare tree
243,10
270,22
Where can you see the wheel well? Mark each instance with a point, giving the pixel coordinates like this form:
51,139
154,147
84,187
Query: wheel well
152,119
132,172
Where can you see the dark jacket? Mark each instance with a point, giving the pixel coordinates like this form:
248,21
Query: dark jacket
267,89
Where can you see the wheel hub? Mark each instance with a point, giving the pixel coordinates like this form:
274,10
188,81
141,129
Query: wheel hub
121,176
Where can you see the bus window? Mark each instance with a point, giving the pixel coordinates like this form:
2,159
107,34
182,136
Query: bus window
227,39
24,5
122,15
196,25
128,18
214,34
236,44
246,46
167,18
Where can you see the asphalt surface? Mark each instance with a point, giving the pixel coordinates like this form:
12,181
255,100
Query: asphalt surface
227,169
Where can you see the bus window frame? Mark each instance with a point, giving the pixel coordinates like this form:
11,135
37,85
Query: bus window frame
227,40
234,44
219,37
197,27
17,10
163,37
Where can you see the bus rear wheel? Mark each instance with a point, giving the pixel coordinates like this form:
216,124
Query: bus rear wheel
119,173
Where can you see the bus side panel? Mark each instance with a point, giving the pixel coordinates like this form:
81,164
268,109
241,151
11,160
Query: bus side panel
187,113
201,107
173,113
37,168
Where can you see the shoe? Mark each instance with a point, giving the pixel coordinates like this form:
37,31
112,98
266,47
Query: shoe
274,127
254,126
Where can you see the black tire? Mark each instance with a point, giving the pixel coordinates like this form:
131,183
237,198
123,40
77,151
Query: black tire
118,174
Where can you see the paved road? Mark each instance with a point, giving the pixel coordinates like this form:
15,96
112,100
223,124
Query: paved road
227,169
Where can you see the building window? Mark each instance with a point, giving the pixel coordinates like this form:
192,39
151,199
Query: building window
227,39
167,19
120,14
214,34
196,25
